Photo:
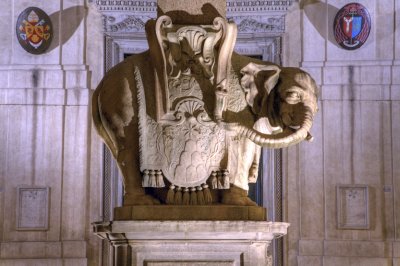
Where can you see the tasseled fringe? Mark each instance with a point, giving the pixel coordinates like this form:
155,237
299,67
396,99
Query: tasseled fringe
186,196
221,179
193,196
159,179
225,179
200,196
145,180
170,195
153,178
178,196
207,194
214,180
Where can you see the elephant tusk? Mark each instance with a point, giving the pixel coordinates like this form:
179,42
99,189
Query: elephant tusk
309,137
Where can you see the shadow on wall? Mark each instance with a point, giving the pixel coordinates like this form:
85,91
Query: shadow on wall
182,17
318,12
71,18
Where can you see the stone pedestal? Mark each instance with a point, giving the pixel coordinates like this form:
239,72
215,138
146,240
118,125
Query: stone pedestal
216,212
182,243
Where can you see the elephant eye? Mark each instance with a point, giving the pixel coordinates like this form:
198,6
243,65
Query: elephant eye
293,97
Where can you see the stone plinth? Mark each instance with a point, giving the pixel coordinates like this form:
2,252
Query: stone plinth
190,242
185,213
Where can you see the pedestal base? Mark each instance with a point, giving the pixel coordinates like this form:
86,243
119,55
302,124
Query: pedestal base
185,213
184,243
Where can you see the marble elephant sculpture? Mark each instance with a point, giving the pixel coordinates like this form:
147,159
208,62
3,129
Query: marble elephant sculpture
192,112
280,104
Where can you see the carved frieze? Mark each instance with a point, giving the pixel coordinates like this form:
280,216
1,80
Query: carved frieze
272,24
120,23
127,16
232,6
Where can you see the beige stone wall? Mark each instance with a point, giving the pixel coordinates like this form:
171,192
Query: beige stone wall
357,142
47,141
46,138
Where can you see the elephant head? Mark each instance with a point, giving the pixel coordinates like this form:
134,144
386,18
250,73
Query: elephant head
287,97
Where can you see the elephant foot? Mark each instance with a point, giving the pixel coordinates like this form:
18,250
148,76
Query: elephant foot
236,196
140,199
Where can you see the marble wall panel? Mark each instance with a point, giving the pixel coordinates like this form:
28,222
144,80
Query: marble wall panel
44,97
384,20
30,250
291,192
314,28
397,31
95,212
27,76
360,144
291,52
396,166
1,210
78,97
336,163
314,71
370,163
76,77
357,75
357,92
94,52
32,96
312,183
396,76
75,173
387,163
361,162
24,262
33,158
7,35
309,260
351,261
74,249
311,247
396,249
73,32
4,121
75,262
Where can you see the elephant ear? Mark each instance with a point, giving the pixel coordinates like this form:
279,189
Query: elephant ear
257,82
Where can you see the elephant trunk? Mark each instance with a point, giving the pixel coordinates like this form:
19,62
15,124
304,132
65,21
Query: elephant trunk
280,140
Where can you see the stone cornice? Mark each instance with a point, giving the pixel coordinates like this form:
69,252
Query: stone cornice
232,6
129,16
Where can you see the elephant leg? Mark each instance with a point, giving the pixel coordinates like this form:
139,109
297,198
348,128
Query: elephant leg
128,161
237,194
253,172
